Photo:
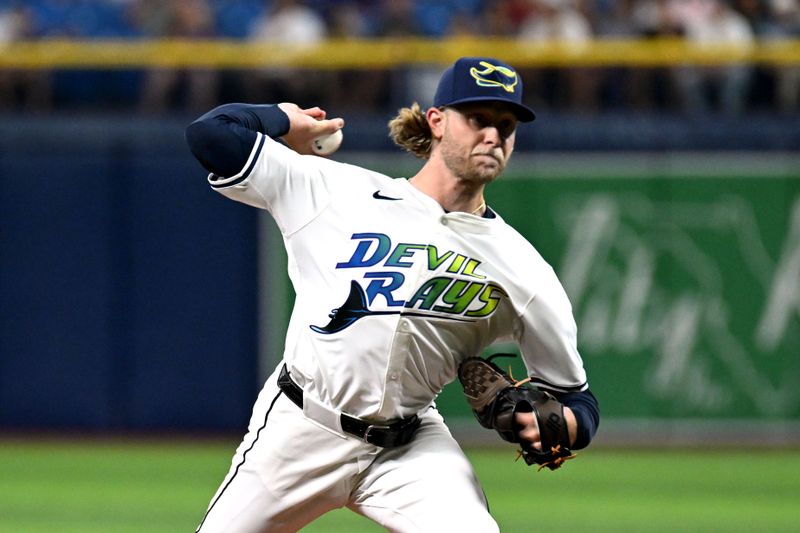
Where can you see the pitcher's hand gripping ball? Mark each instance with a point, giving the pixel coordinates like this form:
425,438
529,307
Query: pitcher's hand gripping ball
495,397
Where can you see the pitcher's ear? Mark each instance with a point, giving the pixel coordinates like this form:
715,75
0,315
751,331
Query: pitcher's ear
437,117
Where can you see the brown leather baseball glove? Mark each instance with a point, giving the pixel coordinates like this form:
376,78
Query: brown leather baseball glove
495,397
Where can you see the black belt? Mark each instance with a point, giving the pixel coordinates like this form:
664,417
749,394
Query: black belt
385,436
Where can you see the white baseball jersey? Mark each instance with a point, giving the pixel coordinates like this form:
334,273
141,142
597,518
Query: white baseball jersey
392,292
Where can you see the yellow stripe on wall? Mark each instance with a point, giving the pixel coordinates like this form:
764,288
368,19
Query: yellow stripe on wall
383,53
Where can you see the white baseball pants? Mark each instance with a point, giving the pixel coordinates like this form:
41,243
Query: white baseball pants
289,470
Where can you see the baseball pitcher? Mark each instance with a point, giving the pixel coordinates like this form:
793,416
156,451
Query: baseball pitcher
401,285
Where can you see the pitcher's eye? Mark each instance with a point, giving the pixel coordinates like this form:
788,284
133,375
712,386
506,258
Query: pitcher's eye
506,127
479,121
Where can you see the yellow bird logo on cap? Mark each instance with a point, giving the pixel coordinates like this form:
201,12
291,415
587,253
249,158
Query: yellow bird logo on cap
480,76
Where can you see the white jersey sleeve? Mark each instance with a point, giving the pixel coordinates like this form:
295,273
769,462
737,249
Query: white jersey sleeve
544,327
294,188
547,338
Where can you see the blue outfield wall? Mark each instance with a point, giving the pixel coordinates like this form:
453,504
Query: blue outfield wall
127,287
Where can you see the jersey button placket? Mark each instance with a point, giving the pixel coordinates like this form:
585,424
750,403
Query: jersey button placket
397,357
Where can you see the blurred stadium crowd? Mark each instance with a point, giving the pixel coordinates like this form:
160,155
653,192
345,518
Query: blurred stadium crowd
731,89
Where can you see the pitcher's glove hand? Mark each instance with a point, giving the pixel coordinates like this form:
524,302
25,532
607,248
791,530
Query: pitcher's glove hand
495,398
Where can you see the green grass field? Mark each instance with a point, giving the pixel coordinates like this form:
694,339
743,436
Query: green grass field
151,486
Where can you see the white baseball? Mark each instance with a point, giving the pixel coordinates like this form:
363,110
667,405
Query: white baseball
327,144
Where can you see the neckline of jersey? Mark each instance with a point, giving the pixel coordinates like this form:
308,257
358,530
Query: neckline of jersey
436,208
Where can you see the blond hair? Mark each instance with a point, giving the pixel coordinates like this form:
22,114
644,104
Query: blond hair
410,131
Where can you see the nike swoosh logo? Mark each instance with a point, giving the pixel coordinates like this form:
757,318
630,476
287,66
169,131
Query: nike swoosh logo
378,196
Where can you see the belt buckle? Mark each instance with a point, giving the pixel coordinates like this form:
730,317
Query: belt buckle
370,427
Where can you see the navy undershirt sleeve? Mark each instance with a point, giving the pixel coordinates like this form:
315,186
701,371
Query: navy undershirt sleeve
223,138
587,414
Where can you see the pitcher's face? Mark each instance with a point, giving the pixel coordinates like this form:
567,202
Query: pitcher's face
478,140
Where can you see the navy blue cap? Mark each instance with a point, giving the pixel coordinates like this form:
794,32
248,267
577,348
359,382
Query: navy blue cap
480,79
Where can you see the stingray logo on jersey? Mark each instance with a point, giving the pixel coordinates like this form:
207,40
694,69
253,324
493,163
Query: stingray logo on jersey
494,76
461,293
